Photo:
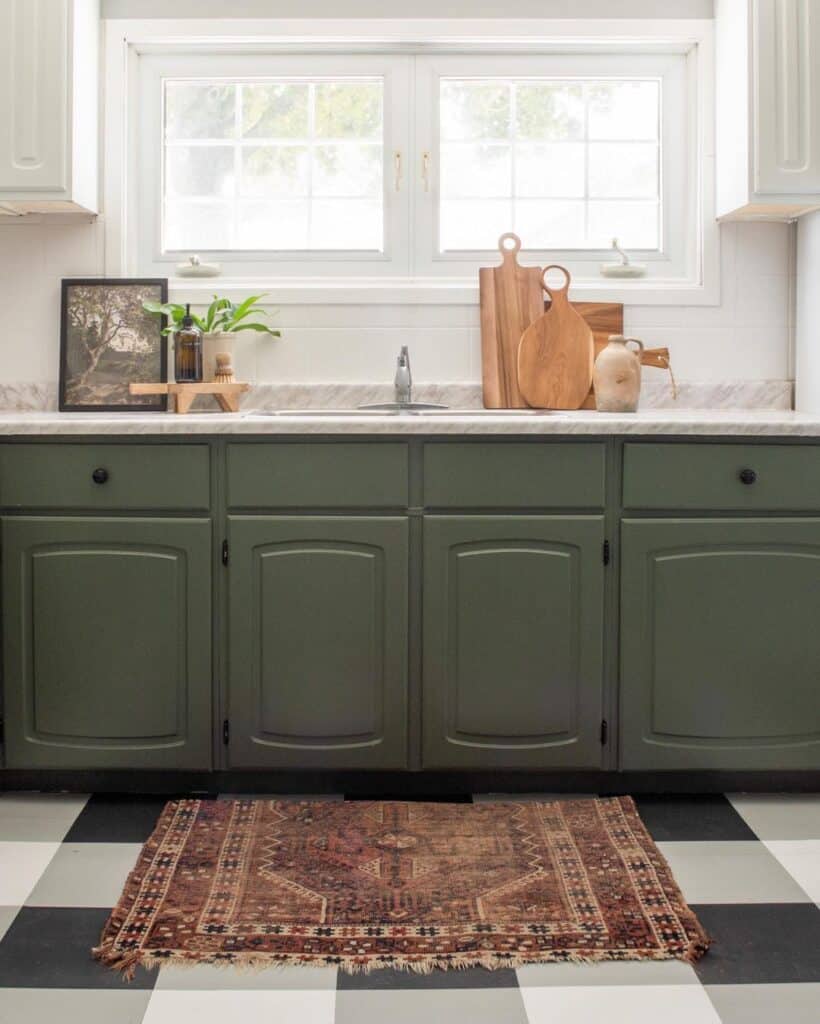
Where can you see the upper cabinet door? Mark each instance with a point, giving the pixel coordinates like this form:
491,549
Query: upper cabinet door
34,39
720,646
107,642
318,642
767,86
513,636
49,87
787,93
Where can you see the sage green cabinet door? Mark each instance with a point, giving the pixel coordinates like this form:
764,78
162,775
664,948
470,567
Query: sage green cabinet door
107,642
513,635
318,641
720,644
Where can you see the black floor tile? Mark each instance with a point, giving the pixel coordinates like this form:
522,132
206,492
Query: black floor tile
760,943
470,977
116,818
676,818
50,947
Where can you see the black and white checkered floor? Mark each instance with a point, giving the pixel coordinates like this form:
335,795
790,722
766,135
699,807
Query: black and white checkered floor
748,864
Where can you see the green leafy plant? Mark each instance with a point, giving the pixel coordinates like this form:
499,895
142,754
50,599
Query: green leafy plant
222,316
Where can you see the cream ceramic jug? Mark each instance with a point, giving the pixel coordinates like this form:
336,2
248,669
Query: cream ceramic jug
616,376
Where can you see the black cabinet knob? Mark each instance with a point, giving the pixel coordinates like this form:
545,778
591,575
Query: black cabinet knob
747,476
100,475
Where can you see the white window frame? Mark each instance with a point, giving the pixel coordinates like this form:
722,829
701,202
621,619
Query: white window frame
677,170
402,276
154,69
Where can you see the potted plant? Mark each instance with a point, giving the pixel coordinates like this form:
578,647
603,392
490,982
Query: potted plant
221,322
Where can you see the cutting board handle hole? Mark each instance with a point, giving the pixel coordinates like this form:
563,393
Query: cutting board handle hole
555,287
509,242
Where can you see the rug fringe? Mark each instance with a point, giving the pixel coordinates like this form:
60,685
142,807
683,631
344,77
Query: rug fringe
126,962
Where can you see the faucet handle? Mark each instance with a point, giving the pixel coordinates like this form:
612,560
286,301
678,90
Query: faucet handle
404,356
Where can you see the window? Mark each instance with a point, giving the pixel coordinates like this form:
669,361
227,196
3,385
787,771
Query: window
273,164
565,164
408,165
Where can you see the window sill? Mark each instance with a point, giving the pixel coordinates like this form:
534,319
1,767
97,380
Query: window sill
363,291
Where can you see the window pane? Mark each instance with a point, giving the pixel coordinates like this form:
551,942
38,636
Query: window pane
624,110
346,224
199,111
192,225
273,225
473,110
304,171
348,111
542,152
199,171
550,224
475,169
550,170
275,171
473,224
278,110
623,169
347,170
553,111
634,224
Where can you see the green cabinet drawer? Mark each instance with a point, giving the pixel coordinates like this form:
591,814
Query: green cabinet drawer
105,476
777,477
514,475
317,475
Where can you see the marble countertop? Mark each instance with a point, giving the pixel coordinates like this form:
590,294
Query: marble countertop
652,422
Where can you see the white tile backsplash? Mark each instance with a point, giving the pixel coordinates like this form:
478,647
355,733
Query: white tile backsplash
747,337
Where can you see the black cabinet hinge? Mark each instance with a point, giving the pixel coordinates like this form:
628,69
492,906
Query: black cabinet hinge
604,731
226,732
606,552
224,552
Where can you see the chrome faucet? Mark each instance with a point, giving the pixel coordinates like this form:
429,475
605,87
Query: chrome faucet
403,382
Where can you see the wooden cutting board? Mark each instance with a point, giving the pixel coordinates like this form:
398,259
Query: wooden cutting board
556,353
511,299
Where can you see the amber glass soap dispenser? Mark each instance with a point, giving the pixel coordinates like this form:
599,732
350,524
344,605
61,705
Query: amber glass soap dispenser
188,351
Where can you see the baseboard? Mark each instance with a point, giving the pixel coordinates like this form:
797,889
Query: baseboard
409,785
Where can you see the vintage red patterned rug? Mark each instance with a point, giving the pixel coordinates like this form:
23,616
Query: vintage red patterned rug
409,885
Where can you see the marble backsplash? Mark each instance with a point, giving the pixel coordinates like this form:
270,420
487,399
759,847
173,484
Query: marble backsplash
655,394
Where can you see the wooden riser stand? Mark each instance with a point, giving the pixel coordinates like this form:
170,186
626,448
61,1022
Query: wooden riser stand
227,395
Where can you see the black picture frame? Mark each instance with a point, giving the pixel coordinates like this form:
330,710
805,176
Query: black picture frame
153,289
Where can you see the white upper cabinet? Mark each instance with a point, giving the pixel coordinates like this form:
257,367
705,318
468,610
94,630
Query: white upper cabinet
768,108
49,84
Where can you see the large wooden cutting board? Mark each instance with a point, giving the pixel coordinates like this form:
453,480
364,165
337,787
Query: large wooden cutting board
511,299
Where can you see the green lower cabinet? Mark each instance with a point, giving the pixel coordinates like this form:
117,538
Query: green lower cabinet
720,644
318,642
107,642
513,638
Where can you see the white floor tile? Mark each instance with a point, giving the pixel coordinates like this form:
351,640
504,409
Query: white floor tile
801,858
780,815
730,872
622,1004
21,865
85,875
38,817
766,1004
281,1007
213,977
630,972
72,1006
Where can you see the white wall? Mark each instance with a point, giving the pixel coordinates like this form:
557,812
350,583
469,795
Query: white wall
397,9
746,337
807,342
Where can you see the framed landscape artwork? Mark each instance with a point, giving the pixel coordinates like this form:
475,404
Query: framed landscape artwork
107,340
